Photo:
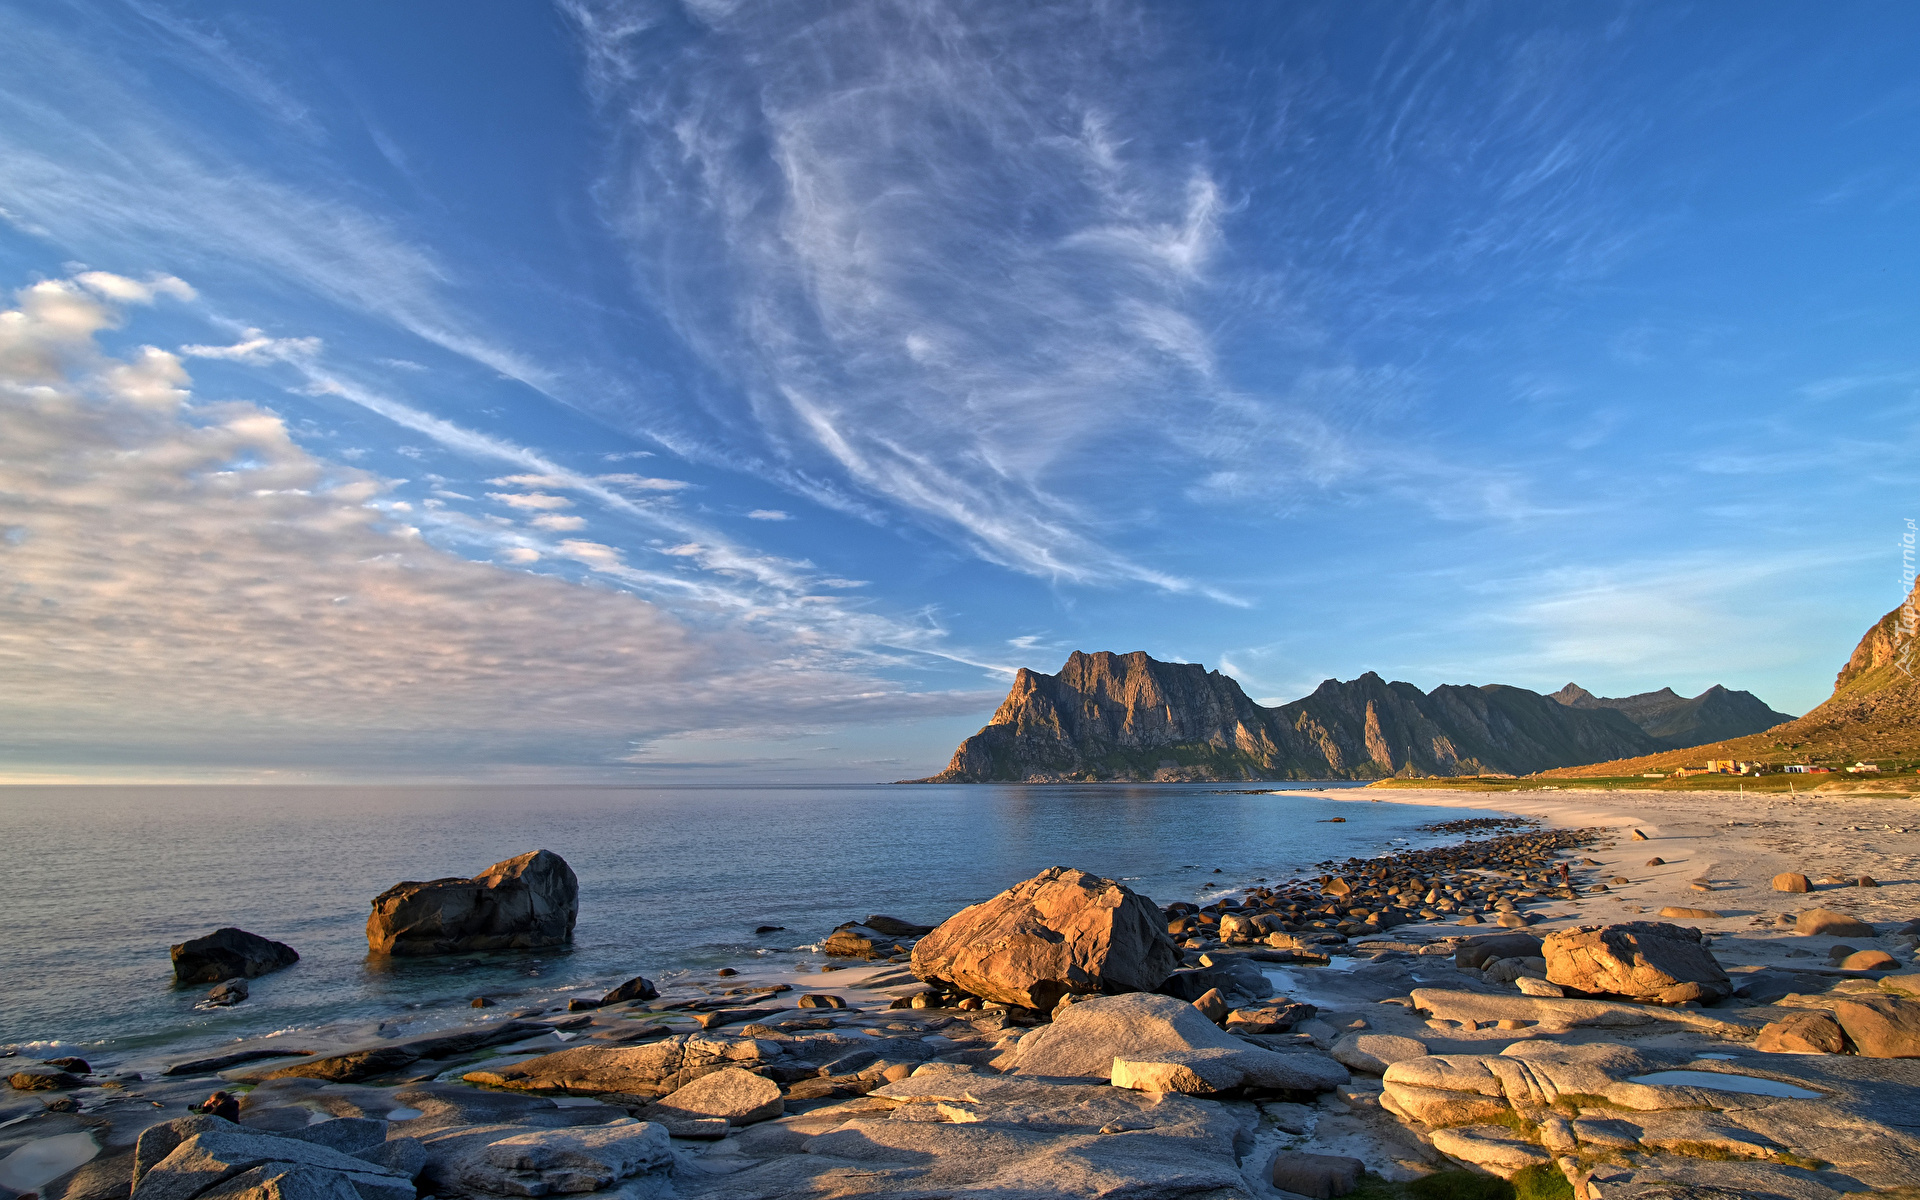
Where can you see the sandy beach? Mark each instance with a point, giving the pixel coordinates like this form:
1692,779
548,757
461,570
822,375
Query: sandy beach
1733,844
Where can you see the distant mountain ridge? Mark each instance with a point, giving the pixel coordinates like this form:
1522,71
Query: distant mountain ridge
1873,714
1713,716
1108,716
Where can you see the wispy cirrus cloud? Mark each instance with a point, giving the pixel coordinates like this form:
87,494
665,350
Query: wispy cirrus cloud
85,160
932,259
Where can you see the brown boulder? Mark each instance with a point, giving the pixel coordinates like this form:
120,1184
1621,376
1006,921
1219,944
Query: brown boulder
522,903
1827,923
1802,1033
859,941
1880,1026
1791,881
1061,931
737,1096
1641,960
1869,960
1675,912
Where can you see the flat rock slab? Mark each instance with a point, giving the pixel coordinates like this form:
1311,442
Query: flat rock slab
1091,1038
1554,1012
213,1157
1492,1148
650,1070
1865,1119
542,1161
730,1094
992,1137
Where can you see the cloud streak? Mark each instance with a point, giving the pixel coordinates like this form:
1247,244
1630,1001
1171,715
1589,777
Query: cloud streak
181,579
957,274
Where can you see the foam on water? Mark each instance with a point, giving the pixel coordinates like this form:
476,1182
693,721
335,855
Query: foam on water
673,881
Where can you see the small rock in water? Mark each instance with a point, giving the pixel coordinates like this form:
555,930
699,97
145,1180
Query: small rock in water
228,994
481,1002
229,954
819,1000
78,1066
725,972
770,929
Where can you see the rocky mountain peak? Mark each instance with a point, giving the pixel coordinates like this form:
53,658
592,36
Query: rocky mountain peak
1107,716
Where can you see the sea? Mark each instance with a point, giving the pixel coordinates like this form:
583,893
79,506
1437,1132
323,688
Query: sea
674,881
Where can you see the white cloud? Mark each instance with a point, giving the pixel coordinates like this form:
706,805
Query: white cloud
257,348
184,583
644,483
769,514
533,481
537,500
558,524
130,291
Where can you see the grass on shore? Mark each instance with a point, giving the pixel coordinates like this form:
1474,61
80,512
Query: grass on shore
1891,783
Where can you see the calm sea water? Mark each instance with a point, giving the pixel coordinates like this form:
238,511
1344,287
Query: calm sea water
100,880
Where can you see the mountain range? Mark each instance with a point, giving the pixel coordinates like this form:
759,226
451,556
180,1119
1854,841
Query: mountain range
1714,715
1108,716
1872,716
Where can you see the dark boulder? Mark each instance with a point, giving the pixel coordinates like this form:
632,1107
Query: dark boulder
895,927
1475,951
523,903
229,954
637,988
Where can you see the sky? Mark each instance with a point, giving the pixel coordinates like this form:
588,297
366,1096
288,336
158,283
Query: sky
716,391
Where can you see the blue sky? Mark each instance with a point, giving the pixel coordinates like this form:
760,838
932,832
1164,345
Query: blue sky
719,390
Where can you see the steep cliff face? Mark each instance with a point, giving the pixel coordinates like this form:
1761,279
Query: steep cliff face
1131,717
1677,721
1121,716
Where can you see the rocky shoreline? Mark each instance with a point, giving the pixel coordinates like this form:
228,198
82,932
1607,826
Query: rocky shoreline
1512,1008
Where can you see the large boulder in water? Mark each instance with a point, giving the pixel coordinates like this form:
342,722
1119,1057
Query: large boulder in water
229,954
1641,960
521,904
1063,931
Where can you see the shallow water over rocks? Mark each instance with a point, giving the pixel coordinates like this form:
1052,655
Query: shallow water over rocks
672,881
